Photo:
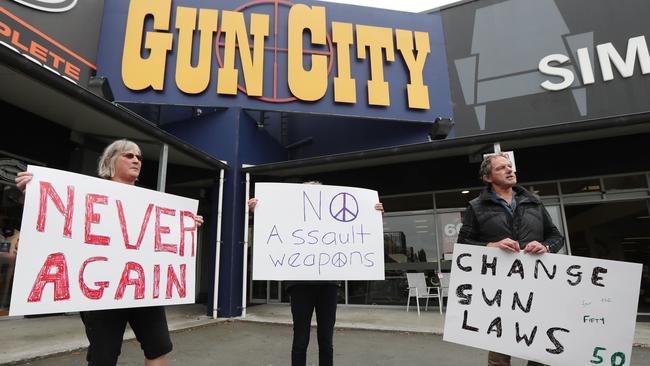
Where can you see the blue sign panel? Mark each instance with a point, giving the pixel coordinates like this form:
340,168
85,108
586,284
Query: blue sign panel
309,57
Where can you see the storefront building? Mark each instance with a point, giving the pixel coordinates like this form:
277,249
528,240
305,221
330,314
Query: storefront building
289,91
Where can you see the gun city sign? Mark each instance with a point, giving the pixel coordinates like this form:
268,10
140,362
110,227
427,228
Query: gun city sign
280,52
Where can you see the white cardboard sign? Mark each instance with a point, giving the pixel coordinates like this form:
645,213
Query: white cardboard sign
549,308
88,244
317,232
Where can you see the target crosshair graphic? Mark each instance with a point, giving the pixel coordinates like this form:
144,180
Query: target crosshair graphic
275,49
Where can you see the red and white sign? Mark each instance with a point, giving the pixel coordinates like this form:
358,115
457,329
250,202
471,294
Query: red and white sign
88,244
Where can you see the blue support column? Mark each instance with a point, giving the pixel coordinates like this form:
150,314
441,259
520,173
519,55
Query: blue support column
229,135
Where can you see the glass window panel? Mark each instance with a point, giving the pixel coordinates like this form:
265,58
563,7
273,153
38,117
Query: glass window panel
449,225
456,199
581,186
408,203
543,189
613,230
625,182
409,246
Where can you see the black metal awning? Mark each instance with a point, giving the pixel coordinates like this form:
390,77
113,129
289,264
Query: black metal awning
35,89
471,145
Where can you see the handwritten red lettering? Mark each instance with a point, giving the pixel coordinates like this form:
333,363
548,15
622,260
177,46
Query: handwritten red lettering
159,245
143,227
191,229
59,279
173,280
156,281
67,211
90,293
127,281
93,218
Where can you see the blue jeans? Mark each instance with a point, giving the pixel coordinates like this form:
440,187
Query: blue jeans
304,300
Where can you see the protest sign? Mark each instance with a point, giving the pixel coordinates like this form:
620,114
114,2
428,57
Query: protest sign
317,232
88,244
550,308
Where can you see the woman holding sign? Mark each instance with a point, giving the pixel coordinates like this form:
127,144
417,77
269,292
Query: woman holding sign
307,297
121,162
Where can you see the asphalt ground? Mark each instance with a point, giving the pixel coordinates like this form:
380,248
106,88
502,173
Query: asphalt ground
234,343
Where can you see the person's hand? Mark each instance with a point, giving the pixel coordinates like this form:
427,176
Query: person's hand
198,219
22,178
379,207
506,244
252,203
535,247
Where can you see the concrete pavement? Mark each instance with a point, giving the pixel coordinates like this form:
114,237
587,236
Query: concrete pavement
24,339
237,343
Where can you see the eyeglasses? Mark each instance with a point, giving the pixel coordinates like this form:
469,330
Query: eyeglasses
130,156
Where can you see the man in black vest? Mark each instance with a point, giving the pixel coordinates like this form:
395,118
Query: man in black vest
508,217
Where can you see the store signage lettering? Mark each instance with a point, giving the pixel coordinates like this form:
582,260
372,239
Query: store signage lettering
25,39
88,243
306,83
637,48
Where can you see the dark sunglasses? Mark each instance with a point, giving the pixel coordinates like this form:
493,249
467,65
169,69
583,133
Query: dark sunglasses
130,156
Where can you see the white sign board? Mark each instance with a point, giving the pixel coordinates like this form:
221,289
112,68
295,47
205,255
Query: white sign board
550,308
88,244
317,232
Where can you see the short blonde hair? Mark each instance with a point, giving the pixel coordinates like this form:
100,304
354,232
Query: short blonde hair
106,164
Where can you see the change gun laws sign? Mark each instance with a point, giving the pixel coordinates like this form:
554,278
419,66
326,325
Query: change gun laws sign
549,308
88,244
317,232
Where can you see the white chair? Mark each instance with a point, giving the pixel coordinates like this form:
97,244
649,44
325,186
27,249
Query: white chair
444,284
418,288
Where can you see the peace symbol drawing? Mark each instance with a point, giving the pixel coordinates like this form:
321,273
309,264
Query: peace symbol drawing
344,207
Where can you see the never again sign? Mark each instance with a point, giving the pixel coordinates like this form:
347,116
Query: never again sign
88,244
317,232
549,308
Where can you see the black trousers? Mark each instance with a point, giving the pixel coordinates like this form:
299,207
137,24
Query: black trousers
105,329
304,299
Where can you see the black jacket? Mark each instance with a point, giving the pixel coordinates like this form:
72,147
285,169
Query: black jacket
488,221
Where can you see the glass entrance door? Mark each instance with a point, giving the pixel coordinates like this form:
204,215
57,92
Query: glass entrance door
613,230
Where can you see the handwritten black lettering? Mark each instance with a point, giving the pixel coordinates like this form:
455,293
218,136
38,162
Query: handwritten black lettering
595,276
492,265
578,274
495,326
466,299
559,348
496,298
460,266
525,337
549,275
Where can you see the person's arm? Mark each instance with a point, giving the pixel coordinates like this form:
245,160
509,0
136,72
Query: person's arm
469,232
22,178
252,203
552,237
199,220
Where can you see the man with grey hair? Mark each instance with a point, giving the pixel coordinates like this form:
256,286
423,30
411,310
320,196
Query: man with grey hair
508,217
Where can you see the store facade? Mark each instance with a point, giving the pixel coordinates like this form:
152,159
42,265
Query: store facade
369,104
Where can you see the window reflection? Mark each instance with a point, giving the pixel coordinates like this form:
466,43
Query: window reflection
409,246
